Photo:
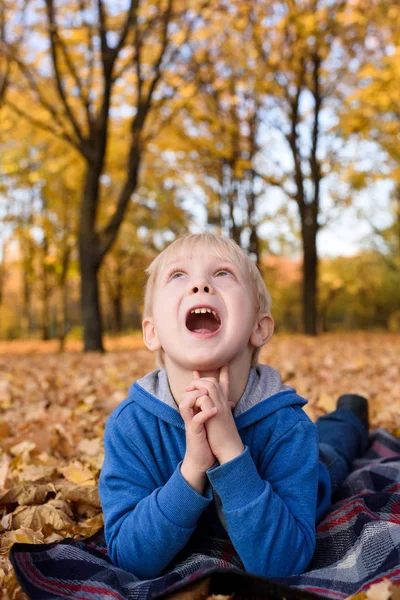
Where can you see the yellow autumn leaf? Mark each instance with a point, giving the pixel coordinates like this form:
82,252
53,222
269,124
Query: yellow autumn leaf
77,473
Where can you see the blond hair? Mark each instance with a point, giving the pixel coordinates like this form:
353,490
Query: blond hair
221,247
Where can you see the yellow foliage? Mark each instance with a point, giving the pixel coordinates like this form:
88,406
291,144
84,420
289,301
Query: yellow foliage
77,473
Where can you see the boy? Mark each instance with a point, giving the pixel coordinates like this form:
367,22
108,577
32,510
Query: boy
212,442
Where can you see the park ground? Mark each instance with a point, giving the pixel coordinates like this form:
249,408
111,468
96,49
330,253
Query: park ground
53,408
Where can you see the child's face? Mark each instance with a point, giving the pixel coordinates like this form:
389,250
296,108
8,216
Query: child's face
201,340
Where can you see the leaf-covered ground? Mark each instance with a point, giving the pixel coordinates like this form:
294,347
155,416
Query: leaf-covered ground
53,408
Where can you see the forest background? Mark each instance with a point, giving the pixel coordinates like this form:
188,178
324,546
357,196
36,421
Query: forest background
125,123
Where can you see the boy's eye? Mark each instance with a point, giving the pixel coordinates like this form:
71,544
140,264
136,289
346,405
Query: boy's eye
223,273
175,275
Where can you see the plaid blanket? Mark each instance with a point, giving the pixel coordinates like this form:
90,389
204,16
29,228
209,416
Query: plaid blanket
358,543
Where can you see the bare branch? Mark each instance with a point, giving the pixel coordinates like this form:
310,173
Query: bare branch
4,77
46,105
315,165
130,20
78,82
292,138
37,123
54,36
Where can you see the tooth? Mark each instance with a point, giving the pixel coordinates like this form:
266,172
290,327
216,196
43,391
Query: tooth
197,310
203,310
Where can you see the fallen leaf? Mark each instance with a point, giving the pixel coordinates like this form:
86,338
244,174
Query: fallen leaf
23,450
53,515
77,473
4,465
379,591
26,494
36,472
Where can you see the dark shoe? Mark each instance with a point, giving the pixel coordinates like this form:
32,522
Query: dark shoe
357,404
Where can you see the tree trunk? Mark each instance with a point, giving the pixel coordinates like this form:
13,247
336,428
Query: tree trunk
90,303
310,277
45,293
27,317
254,244
117,306
62,328
90,261
118,299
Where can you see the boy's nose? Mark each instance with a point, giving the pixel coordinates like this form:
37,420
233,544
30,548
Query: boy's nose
204,288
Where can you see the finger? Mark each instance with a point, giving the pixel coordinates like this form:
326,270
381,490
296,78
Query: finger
186,413
201,417
224,380
188,402
211,387
203,402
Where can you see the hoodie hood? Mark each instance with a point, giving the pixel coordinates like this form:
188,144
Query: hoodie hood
264,383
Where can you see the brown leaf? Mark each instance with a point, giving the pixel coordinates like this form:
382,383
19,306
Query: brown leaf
4,465
24,535
27,494
36,472
5,429
79,494
53,515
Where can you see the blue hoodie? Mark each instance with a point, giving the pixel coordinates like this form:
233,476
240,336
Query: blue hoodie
267,500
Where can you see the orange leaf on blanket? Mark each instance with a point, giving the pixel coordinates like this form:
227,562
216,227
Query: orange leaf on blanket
379,591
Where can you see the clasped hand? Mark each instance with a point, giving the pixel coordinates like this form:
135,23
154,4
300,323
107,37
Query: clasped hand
212,399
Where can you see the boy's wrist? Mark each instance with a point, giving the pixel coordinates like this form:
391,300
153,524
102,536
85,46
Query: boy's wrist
230,454
195,479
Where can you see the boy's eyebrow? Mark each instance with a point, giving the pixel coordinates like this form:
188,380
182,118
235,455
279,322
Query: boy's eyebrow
174,261
183,259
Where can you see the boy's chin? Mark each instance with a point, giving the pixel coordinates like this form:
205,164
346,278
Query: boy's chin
203,363
205,367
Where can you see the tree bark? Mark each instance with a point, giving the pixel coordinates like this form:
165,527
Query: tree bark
62,326
117,308
63,287
45,292
310,276
27,279
90,300
118,298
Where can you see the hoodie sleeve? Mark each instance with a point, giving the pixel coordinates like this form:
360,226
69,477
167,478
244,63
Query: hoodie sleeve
145,525
270,513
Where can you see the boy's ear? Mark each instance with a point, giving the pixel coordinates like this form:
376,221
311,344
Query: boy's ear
263,330
150,336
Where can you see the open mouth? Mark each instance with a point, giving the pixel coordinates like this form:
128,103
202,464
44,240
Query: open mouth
203,320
